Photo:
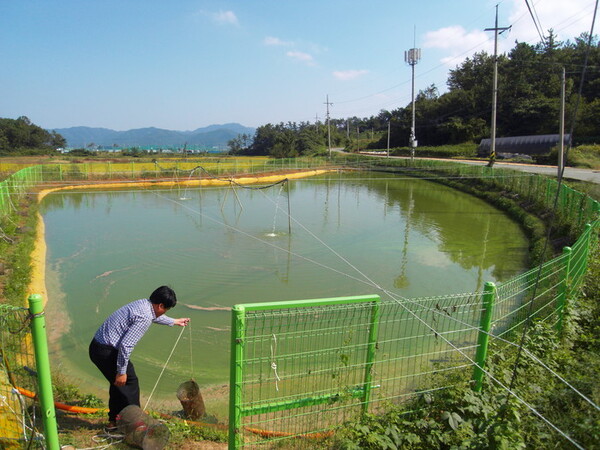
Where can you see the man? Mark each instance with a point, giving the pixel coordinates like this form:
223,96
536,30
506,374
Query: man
116,338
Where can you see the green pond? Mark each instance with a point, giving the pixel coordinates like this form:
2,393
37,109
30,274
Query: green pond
351,234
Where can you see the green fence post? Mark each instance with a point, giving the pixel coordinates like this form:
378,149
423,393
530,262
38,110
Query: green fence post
235,376
373,331
562,296
485,322
42,361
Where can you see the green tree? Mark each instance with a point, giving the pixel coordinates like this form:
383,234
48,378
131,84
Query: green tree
18,135
57,140
264,140
285,145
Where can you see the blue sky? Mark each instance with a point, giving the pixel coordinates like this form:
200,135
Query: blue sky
184,64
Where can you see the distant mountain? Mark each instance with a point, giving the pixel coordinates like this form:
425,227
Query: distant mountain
211,136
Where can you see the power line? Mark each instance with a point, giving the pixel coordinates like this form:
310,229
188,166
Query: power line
535,22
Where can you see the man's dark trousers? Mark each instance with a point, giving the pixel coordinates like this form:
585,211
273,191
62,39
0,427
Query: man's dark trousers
105,358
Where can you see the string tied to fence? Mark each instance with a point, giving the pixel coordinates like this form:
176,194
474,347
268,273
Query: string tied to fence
273,363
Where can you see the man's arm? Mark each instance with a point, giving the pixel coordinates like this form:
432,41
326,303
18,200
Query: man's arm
132,337
182,322
166,320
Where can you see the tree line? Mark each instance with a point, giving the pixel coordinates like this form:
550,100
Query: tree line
21,136
529,91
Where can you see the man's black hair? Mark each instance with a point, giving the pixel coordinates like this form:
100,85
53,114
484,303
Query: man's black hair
164,295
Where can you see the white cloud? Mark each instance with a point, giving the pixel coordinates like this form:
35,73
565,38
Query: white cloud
275,41
301,57
345,75
454,37
225,18
458,43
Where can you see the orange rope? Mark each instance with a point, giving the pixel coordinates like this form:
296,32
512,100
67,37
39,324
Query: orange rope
260,432
267,433
63,406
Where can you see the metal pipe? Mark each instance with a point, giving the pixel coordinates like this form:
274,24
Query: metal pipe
42,361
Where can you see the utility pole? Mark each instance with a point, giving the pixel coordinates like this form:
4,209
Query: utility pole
412,57
561,152
388,139
328,127
495,87
316,122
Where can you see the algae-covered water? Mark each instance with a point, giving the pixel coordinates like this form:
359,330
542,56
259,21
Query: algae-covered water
218,247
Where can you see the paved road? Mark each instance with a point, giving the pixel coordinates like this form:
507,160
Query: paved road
593,176
590,175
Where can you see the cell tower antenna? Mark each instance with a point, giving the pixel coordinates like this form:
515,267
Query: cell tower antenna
328,128
412,57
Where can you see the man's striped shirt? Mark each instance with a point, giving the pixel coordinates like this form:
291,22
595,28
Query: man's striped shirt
126,326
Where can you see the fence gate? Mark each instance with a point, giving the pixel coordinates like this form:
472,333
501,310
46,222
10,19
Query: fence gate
299,369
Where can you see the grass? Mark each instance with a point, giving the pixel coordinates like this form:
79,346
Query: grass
585,156
17,240
590,189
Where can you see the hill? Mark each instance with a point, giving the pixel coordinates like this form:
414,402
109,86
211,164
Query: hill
210,136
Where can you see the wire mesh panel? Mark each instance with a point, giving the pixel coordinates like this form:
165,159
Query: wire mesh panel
579,255
420,337
17,379
531,295
300,369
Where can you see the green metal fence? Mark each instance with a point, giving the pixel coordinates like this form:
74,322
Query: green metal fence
300,369
26,178
573,208
17,185
298,372
420,338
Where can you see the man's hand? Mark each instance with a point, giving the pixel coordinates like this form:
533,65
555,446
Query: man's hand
182,322
120,379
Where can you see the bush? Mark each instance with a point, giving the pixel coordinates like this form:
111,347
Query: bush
587,156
